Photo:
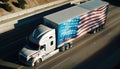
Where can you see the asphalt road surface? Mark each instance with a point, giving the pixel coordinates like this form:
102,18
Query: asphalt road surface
91,51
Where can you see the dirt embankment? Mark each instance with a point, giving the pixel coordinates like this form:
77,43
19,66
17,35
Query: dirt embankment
29,4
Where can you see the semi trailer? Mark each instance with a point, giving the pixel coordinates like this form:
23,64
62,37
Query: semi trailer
61,28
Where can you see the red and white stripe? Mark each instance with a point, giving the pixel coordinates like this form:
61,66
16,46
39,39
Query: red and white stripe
91,16
94,12
94,25
89,20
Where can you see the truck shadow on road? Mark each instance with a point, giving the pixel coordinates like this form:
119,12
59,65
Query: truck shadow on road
102,57
22,29
4,67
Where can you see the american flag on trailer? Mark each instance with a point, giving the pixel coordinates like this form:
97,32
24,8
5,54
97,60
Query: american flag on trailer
92,20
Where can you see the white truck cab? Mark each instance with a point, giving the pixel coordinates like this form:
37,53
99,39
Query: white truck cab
41,45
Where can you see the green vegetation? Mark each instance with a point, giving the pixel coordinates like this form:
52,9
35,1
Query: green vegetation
21,4
4,0
5,5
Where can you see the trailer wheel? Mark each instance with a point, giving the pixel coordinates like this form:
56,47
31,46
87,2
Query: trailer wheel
66,47
98,29
70,44
103,26
91,32
94,31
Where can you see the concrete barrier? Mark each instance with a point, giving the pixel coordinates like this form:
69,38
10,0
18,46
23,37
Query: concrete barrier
7,26
26,11
14,22
7,22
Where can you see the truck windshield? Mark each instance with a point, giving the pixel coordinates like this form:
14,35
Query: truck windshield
37,32
33,45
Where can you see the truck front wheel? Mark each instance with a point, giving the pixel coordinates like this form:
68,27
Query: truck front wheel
37,62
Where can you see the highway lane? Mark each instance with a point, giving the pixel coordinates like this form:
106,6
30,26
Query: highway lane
80,54
77,60
66,60
52,60
4,44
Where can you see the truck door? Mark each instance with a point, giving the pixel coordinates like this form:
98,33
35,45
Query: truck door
49,41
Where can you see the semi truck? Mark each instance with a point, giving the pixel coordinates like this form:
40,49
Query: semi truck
61,28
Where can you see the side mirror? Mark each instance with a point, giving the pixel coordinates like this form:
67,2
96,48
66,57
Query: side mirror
43,47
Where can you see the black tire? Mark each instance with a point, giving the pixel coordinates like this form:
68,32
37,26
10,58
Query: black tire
103,26
90,32
66,47
100,28
38,62
62,49
70,46
97,30
94,31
